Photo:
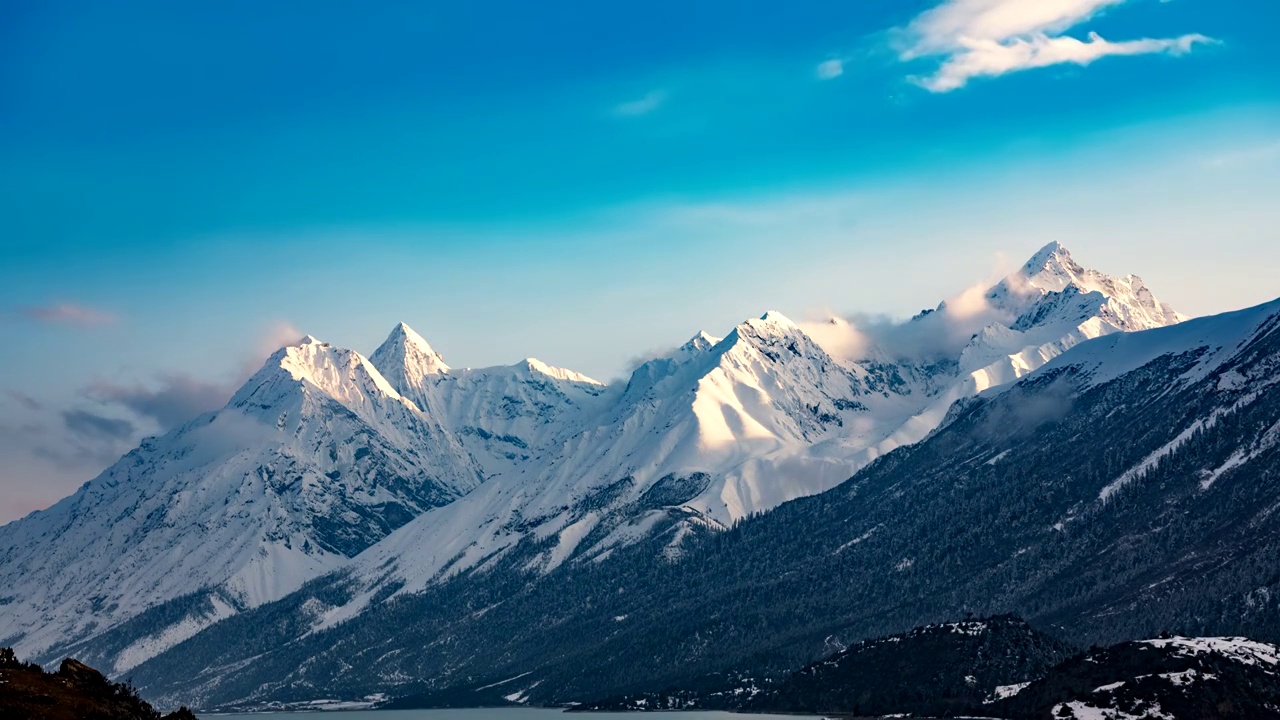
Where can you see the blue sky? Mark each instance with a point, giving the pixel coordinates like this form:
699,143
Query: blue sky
182,186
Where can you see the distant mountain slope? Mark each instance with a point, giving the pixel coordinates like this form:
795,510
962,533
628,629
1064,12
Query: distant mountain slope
1127,487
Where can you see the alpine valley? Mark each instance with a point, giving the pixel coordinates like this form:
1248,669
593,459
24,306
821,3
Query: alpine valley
1059,445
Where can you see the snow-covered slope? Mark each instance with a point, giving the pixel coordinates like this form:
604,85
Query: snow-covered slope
313,460
658,451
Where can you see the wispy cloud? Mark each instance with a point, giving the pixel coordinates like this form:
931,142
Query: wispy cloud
25,401
63,446
830,69
68,313
652,100
989,38
176,397
92,426
938,334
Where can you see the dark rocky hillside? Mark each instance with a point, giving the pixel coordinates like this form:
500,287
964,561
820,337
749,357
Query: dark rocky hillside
932,670
75,692
935,669
1173,677
1002,668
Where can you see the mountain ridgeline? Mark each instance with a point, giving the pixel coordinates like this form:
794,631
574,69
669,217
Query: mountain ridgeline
742,507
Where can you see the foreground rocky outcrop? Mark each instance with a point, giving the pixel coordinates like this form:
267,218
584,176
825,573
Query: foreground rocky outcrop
75,692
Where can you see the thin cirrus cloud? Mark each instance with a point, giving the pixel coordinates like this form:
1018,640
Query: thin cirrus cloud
93,426
68,313
990,38
178,398
651,101
830,69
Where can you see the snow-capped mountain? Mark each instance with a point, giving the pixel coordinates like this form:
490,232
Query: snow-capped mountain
1127,487
313,460
420,471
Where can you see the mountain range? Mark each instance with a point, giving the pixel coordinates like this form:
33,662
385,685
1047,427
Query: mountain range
1059,444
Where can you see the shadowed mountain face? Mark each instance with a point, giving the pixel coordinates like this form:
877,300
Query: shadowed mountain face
75,692
1126,488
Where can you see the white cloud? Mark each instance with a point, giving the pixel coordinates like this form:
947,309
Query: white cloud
942,333
830,69
989,38
989,58
652,100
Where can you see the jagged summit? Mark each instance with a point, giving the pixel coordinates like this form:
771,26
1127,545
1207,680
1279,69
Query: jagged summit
402,333
1054,258
698,343
771,325
405,348
1123,303
774,317
342,374
410,365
